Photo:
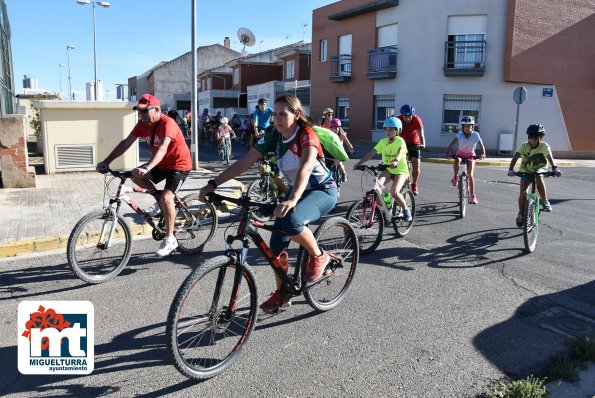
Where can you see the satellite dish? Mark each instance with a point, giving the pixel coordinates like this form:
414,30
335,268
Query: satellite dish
247,38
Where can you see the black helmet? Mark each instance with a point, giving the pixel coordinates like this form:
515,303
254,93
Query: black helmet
536,129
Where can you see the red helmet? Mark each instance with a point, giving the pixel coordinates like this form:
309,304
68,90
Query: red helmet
335,122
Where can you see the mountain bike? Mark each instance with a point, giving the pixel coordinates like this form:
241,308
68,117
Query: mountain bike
214,312
463,182
100,244
532,210
266,189
377,207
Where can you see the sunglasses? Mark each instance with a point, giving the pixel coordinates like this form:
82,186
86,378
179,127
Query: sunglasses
145,110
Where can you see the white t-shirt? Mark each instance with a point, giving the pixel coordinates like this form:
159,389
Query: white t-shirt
467,145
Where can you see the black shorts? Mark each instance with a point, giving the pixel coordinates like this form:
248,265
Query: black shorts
413,150
173,178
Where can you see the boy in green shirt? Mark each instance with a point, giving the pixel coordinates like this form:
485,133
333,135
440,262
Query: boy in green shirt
394,154
534,154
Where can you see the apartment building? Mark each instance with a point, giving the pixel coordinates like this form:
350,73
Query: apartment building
7,93
456,57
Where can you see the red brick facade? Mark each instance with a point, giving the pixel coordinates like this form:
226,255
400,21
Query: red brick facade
552,43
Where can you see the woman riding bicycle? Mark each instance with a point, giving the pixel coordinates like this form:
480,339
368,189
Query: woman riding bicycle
312,192
394,154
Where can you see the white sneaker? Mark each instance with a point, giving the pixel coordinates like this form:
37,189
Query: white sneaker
168,244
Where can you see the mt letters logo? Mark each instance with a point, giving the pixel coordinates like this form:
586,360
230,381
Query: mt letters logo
56,337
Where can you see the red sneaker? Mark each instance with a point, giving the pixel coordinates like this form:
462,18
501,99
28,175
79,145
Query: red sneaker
316,267
414,189
273,304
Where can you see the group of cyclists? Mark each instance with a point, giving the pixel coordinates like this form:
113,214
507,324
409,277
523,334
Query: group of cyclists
311,190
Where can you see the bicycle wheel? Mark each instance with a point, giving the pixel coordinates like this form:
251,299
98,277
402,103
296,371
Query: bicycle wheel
401,226
369,236
204,334
195,225
262,191
530,226
88,254
337,237
226,154
463,195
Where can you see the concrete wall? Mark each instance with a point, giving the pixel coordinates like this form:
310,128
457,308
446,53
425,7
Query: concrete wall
14,161
101,125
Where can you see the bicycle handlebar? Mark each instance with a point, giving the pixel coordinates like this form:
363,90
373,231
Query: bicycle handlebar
244,202
465,157
118,174
373,169
542,173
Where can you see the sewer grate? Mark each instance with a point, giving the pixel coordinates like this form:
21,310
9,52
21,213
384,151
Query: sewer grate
565,322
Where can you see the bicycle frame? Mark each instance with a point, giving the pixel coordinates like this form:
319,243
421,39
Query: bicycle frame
376,195
532,190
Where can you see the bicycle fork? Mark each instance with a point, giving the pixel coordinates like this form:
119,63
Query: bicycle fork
106,244
368,208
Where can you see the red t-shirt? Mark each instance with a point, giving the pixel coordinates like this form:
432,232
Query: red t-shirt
177,156
411,130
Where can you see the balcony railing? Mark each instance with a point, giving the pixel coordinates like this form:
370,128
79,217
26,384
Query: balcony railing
464,58
341,68
382,63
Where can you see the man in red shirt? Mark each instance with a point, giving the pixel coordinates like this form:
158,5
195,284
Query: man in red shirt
170,161
413,134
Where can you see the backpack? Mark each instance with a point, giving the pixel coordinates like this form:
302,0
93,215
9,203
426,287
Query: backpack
331,144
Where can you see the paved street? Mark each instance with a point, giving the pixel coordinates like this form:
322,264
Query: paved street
444,312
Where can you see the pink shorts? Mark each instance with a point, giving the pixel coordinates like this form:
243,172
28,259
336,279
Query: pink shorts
466,154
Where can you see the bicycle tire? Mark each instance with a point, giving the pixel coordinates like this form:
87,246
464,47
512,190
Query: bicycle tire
200,341
337,237
402,227
88,258
262,191
194,227
369,237
227,154
462,195
530,225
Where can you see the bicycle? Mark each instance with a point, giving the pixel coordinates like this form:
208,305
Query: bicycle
214,312
338,175
225,149
377,207
100,243
266,189
532,210
463,182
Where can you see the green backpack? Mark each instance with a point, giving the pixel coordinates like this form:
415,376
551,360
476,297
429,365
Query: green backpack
331,144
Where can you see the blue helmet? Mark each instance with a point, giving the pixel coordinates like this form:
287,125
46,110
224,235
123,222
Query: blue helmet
407,110
393,122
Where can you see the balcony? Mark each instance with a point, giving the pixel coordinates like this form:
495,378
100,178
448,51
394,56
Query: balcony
341,68
464,58
382,63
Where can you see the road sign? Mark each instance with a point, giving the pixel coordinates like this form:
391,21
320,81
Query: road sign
520,95
548,92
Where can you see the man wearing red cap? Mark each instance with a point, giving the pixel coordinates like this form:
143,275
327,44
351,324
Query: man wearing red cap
170,161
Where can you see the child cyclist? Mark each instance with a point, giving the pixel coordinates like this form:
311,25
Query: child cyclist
534,154
467,141
224,132
335,127
394,154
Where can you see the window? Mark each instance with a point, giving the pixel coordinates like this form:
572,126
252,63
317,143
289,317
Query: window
289,69
384,107
342,112
466,51
236,76
456,106
209,82
323,50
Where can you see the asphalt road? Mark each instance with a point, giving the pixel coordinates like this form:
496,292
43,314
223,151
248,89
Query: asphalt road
444,312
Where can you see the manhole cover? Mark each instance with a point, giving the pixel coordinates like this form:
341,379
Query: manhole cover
565,322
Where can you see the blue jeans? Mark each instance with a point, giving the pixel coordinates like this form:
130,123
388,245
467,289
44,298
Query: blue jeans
313,205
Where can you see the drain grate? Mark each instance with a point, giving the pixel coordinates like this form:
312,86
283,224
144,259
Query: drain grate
565,322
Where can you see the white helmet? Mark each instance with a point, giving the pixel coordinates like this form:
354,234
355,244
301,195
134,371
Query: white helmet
224,120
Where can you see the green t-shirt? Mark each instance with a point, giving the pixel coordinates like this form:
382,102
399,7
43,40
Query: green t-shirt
534,159
389,153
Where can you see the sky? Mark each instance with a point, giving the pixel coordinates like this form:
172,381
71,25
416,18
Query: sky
133,36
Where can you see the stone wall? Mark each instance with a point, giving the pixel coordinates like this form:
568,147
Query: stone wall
15,171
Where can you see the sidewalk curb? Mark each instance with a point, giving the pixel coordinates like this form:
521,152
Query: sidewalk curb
501,163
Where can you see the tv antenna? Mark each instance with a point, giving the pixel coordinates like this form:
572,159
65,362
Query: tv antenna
247,38
304,25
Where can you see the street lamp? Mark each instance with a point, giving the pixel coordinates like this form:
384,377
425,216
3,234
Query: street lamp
103,4
68,48
60,66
